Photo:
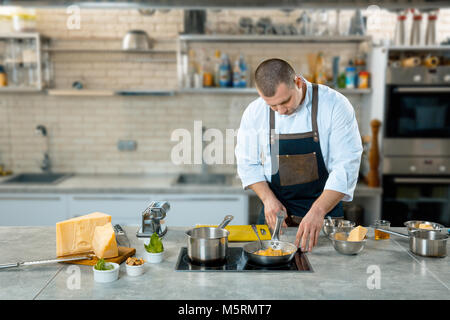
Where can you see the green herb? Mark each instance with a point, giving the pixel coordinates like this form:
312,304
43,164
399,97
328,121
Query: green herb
101,265
155,245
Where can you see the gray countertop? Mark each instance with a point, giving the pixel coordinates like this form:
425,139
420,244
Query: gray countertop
402,275
139,183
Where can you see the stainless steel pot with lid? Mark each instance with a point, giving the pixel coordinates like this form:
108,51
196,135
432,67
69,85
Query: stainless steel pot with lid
208,245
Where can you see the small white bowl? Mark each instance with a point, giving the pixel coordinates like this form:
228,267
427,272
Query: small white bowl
106,275
135,271
154,257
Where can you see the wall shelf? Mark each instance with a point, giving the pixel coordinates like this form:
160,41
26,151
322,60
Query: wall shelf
254,91
272,38
88,50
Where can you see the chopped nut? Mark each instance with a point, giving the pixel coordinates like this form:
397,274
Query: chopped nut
132,261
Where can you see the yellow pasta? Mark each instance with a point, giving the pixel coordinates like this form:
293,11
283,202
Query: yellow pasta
272,253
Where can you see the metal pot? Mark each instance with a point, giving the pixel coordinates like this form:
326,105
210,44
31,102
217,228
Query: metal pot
426,243
136,40
275,243
208,245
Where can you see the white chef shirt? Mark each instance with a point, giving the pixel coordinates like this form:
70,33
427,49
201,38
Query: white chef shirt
339,137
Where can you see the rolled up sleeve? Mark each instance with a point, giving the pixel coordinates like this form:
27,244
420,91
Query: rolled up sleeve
345,149
249,166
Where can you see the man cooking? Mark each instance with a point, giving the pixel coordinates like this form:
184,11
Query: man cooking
306,158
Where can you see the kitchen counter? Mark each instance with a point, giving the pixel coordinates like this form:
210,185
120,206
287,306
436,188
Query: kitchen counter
126,183
139,183
335,276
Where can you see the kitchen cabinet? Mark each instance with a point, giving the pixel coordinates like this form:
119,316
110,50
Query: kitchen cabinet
28,209
27,68
185,209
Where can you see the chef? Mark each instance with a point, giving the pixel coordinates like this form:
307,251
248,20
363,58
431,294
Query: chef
299,149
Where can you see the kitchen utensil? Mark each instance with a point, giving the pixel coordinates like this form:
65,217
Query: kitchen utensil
49,261
257,235
208,245
244,233
121,236
347,247
426,243
153,220
275,243
330,225
124,254
414,225
136,40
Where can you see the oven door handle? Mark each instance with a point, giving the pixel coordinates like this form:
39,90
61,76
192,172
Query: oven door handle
422,180
422,89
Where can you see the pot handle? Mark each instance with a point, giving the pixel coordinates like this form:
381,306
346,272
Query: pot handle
279,222
393,232
226,221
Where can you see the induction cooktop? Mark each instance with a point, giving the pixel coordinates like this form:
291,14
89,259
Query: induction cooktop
236,261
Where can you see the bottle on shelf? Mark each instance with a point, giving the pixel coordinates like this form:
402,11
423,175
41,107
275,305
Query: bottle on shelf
208,76
350,75
225,72
244,72
236,75
3,77
216,62
320,75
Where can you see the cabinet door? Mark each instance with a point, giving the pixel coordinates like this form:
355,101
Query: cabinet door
32,209
189,210
123,209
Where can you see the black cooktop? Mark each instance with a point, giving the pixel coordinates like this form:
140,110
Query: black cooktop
237,262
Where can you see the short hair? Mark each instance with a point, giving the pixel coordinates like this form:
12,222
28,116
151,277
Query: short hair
270,73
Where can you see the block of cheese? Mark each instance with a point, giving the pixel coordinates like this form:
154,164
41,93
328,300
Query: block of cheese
104,242
340,236
357,234
425,226
75,235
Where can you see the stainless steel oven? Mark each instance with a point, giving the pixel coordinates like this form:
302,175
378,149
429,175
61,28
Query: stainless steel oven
416,145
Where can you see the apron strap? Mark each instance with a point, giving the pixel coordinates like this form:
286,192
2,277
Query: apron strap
315,104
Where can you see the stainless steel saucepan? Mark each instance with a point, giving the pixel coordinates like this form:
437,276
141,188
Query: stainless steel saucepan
251,248
208,245
426,243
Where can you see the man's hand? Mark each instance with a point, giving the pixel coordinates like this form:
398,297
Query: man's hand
309,229
271,207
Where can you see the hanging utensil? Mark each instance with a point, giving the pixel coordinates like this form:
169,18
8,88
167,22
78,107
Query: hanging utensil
49,261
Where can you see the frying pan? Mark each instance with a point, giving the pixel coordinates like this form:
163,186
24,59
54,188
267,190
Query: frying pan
426,243
275,243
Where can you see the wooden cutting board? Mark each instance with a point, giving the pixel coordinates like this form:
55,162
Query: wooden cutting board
240,233
124,254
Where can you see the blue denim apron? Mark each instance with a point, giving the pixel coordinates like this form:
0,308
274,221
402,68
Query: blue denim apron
301,174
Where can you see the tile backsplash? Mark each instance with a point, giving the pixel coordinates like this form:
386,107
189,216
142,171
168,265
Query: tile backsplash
84,131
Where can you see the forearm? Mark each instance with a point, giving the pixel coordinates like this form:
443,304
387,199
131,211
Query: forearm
326,202
263,191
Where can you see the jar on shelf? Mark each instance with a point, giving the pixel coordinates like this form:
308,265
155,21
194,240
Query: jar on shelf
363,80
